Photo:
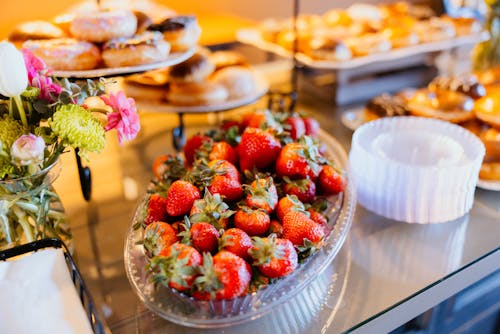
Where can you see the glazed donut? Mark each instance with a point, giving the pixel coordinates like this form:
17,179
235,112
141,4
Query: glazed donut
148,47
447,105
195,94
195,69
487,109
143,21
320,47
65,54
182,32
35,30
238,81
102,26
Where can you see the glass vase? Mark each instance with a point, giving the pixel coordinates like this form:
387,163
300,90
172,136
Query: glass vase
30,209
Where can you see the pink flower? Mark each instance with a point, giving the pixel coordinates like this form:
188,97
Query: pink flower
34,65
124,118
47,88
28,150
37,76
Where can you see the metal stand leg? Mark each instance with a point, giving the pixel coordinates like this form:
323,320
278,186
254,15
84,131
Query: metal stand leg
178,134
85,178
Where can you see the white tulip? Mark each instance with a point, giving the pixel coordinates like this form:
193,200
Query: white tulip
13,74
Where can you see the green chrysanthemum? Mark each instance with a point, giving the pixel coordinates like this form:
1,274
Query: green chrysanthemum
78,128
6,167
11,130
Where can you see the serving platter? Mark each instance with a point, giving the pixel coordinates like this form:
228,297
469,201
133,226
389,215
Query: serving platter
261,88
187,311
253,37
488,185
173,59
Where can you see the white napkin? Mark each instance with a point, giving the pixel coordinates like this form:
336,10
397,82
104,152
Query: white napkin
37,295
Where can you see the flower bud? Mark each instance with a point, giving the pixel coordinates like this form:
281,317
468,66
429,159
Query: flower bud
13,74
28,150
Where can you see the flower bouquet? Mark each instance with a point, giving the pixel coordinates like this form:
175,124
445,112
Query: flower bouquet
40,118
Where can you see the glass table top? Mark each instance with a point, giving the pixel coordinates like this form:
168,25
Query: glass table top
382,264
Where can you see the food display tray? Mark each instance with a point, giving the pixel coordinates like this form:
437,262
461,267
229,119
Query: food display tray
187,311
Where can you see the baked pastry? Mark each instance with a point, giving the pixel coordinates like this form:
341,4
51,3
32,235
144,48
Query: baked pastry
223,59
143,21
466,84
434,29
35,30
269,29
145,48
101,26
464,25
490,169
369,44
153,78
286,39
65,54
401,37
337,17
387,105
196,94
182,32
445,105
195,69
487,108
144,92
324,48
238,81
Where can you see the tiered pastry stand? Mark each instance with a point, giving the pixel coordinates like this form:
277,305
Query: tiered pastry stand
173,59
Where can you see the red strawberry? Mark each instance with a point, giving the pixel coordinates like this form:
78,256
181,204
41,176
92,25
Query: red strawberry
236,241
212,210
286,204
177,267
297,127
319,219
299,160
274,257
258,148
156,209
330,181
180,197
261,119
304,189
228,124
253,222
226,180
262,194
311,126
204,237
159,165
223,151
193,144
297,227
158,236
225,276
276,228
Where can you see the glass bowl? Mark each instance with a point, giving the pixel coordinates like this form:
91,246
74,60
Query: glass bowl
187,311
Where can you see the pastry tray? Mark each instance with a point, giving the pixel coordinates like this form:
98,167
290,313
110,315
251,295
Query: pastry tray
95,318
253,37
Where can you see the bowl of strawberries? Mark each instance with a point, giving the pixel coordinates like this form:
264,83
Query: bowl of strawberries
247,216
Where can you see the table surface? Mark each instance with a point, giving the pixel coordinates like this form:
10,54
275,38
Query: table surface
385,274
